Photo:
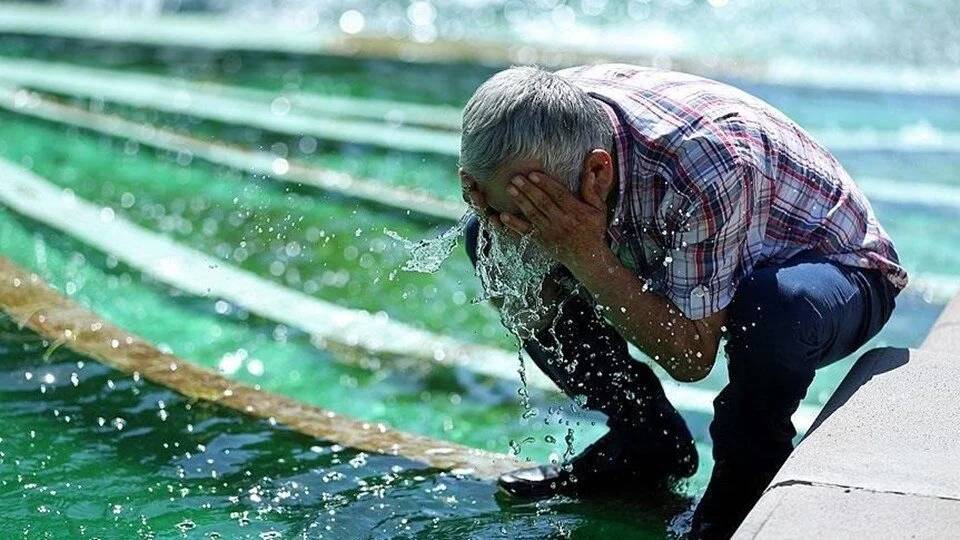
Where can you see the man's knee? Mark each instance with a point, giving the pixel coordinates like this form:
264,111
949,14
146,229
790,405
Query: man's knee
775,318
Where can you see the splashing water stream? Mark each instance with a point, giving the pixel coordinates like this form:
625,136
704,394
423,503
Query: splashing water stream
427,255
511,272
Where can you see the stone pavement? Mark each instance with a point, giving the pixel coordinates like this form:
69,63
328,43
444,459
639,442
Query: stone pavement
883,458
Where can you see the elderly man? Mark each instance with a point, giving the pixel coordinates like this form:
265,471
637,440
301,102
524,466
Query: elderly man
675,211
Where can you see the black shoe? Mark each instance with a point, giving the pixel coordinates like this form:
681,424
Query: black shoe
616,463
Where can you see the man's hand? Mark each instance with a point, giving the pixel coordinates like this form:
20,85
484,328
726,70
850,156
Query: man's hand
572,228
473,197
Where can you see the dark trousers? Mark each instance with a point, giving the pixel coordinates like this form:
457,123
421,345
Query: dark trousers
785,322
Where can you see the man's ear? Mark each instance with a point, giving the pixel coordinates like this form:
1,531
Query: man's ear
599,163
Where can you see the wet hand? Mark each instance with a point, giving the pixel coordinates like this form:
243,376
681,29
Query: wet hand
572,228
475,199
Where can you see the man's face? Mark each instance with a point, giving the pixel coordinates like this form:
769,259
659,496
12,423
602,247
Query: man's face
494,190
511,269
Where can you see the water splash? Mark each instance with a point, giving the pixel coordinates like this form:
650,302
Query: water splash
569,452
522,391
185,526
517,446
512,272
426,256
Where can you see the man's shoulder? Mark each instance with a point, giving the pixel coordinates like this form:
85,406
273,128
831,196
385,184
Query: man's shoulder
630,74
673,97
608,69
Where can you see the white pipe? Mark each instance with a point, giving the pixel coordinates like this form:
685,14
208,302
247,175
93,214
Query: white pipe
182,97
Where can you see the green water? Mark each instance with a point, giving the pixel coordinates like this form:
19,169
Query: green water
453,83
334,249
432,173
87,452
448,83
453,405
330,247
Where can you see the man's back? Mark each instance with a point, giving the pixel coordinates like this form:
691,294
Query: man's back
715,182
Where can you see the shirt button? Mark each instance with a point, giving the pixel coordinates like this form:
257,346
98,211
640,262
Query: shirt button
699,292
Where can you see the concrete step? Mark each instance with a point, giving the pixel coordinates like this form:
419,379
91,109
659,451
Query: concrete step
881,461
945,334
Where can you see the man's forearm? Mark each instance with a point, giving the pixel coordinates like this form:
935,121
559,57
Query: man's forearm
685,348
574,229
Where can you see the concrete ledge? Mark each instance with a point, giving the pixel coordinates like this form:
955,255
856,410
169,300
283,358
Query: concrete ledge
945,334
881,461
804,511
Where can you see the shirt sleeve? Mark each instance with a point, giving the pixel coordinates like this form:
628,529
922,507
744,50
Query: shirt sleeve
704,218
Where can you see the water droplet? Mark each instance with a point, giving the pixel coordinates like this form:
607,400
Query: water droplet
280,106
106,214
185,525
352,21
359,461
255,367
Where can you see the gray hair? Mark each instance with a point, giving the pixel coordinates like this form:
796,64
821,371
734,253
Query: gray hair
526,112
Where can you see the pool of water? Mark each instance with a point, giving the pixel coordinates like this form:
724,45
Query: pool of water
334,249
88,452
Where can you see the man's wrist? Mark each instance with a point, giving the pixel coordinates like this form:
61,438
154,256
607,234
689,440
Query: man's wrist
595,268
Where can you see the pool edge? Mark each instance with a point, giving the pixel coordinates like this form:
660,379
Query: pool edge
33,304
881,460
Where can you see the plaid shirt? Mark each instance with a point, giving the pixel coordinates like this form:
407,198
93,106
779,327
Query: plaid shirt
714,182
